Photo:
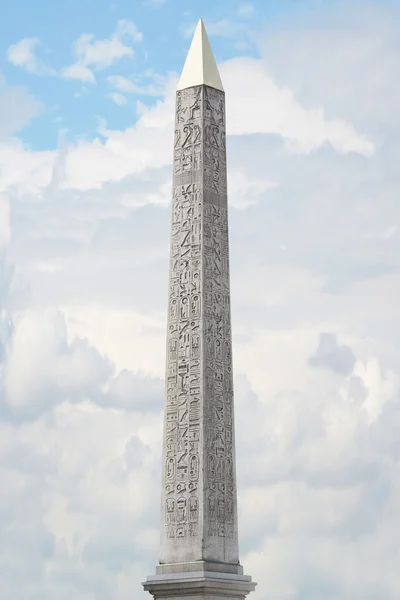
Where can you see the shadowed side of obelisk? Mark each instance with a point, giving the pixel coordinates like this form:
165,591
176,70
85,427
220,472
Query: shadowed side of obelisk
220,510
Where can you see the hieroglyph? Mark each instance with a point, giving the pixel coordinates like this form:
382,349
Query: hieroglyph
199,487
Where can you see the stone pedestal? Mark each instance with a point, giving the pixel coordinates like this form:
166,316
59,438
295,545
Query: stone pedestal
199,585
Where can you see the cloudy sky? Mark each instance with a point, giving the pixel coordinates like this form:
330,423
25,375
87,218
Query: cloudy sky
86,118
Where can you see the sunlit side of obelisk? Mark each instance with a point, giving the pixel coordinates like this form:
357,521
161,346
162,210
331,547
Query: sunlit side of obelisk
199,552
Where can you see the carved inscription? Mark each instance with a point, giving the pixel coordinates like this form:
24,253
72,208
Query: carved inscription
183,406
214,142
188,133
218,392
198,432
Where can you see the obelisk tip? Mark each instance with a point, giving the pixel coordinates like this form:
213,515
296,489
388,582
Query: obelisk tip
200,67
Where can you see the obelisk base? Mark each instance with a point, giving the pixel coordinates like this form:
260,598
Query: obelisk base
199,585
199,566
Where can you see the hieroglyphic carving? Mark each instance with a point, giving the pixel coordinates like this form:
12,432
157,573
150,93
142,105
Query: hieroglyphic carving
218,393
199,468
182,421
214,143
183,367
188,132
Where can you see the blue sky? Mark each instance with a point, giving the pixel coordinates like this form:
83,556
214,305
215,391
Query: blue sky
87,92
165,27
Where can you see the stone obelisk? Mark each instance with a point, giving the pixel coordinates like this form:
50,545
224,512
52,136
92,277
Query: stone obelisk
199,535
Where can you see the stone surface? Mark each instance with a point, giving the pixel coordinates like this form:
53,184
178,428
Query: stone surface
200,565
199,495
206,586
199,535
200,66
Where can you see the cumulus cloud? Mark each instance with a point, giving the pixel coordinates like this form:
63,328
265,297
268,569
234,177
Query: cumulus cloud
145,145
338,473
246,191
24,54
53,385
17,108
102,53
275,110
79,71
5,220
23,170
134,392
43,369
148,84
314,249
57,513
330,355
123,84
90,52
118,99
350,79
305,130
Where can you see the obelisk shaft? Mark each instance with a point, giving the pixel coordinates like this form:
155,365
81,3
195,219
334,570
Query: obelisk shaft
199,516
199,539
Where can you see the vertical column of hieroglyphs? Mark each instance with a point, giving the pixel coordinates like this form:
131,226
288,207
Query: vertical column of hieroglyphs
220,480
182,481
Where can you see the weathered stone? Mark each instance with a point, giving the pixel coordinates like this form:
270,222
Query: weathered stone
199,496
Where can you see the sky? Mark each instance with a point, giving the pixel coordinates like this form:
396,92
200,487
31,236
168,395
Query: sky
86,121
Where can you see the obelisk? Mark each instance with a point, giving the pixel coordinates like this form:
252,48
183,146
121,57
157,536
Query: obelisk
199,535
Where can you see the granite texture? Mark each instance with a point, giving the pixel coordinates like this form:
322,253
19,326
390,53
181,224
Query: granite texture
199,506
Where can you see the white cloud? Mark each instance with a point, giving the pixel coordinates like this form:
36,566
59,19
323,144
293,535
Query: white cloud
275,110
17,108
102,53
157,86
118,99
246,191
246,10
24,54
123,84
80,72
351,80
145,146
133,340
23,170
42,368
124,152
91,53
336,468
314,249
5,220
